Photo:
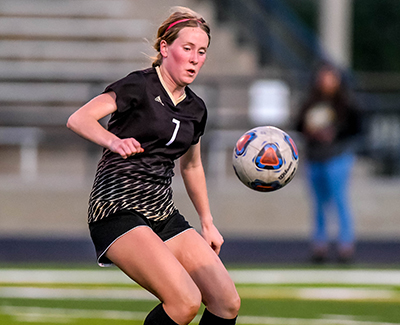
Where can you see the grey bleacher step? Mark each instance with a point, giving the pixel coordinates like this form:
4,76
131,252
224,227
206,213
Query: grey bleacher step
37,116
73,50
71,28
73,8
44,92
69,70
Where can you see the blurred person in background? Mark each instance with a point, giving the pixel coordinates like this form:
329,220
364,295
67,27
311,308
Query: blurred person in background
156,119
329,122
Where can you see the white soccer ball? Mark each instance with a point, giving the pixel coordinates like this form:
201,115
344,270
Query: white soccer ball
265,159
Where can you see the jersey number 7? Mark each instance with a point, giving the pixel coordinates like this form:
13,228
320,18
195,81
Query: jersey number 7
178,124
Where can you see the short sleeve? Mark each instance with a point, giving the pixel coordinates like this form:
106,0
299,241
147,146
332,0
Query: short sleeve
129,90
200,127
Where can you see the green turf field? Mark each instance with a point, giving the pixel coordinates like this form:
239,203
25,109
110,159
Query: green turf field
269,296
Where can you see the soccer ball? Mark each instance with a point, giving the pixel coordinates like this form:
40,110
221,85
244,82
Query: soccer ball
265,159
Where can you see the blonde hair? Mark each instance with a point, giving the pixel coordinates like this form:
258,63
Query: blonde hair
180,18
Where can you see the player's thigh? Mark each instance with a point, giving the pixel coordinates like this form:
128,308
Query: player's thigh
206,269
144,257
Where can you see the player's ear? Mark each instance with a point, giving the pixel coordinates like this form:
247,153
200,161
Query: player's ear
164,48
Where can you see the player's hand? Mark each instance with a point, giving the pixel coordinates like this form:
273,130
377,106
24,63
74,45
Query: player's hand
126,147
212,237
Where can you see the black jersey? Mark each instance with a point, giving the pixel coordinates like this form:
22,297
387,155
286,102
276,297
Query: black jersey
165,130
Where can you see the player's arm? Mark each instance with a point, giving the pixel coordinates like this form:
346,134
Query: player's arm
195,182
85,122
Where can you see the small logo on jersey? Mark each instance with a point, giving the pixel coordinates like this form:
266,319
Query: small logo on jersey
158,99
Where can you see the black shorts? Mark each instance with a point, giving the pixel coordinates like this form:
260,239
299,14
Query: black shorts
106,231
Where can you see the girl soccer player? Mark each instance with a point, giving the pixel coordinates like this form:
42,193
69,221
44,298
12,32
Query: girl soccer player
156,119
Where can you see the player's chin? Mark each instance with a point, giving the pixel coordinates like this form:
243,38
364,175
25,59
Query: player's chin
190,77
188,80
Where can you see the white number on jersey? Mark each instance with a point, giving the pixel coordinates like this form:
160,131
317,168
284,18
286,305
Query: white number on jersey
178,123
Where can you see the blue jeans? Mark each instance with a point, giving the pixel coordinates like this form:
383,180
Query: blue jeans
329,182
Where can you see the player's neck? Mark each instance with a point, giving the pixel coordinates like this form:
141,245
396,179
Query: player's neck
172,87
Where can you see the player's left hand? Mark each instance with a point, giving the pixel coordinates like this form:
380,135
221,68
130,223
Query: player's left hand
213,238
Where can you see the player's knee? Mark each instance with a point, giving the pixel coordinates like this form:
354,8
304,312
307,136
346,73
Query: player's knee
188,311
229,306
226,307
185,307
233,305
191,308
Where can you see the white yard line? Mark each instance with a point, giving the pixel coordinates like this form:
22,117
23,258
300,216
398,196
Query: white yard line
362,277
19,283
63,276
253,320
35,314
101,276
76,294
39,313
321,293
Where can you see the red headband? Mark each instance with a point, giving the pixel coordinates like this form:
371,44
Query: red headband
181,21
